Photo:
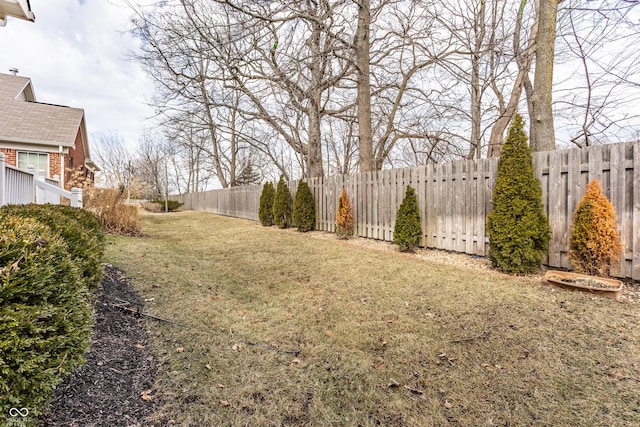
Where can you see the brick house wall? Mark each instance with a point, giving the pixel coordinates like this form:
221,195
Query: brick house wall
9,156
54,164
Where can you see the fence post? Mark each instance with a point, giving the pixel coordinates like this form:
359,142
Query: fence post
3,180
76,197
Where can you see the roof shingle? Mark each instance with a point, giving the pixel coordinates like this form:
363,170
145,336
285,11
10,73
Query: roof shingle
33,122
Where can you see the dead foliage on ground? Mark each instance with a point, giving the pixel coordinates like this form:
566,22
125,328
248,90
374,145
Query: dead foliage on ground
289,330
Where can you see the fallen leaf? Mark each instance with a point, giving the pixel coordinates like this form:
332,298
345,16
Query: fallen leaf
146,396
180,349
139,346
328,333
448,404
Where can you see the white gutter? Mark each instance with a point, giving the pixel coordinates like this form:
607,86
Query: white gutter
20,9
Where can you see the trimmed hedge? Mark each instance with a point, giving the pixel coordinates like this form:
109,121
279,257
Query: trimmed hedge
594,242
81,230
282,205
265,211
304,209
518,229
45,302
344,216
408,228
171,205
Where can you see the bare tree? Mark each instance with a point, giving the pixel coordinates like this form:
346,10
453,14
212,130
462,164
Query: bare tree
117,162
599,48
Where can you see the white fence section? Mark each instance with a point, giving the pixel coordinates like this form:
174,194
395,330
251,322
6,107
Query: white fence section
19,187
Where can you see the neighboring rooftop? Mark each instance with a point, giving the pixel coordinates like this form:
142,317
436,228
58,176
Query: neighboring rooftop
25,120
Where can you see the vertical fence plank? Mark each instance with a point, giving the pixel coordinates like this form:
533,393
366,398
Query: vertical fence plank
617,173
420,194
635,273
555,214
430,220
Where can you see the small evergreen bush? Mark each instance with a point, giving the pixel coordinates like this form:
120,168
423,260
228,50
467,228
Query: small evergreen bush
171,205
408,229
594,242
517,226
265,211
304,209
45,314
344,217
282,205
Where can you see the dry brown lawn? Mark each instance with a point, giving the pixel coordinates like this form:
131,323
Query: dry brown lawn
383,338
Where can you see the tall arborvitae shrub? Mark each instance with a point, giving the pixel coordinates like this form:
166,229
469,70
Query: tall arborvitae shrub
517,226
282,205
265,211
407,231
344,217
304,209
594,243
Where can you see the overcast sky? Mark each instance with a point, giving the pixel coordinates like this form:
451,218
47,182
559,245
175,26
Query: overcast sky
75,54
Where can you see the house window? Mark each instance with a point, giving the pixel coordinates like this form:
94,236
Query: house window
40,161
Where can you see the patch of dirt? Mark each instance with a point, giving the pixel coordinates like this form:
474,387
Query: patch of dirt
119,371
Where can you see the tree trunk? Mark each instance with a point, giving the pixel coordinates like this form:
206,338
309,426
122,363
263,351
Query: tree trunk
542,132
523,60
476,91
364,87
314,154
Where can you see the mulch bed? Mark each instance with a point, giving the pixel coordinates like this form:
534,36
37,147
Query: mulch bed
108,390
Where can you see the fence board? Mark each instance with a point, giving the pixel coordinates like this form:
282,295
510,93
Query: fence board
635,274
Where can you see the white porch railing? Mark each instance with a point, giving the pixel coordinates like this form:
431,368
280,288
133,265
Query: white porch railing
20,187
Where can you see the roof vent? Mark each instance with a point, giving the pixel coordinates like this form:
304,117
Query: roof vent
13,71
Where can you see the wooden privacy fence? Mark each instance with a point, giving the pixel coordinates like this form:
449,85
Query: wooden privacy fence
455,198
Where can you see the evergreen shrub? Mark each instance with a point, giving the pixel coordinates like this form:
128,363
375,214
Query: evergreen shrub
282,205
171,205
45,314
517,226
304,209
344,217
594,242
408,229
81,231
265,211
